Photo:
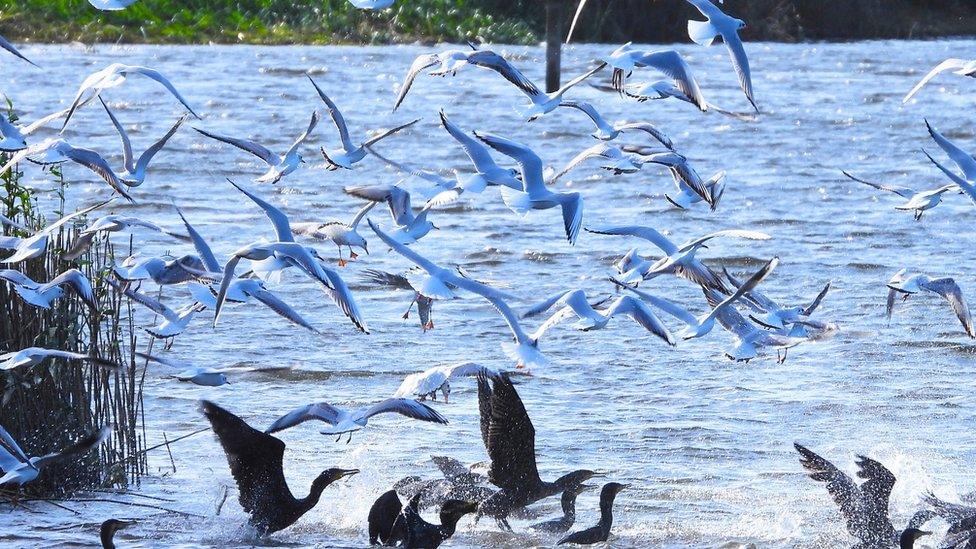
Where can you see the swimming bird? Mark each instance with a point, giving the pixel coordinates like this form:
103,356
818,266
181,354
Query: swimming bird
278,166
422,385
425,304
344,421
109,528
349,154
134,173
625,59
864,507
20,469
509,438
113,223
452,60
961,518
205,377
680,260
32,356
487,172
601,531
608,132
567,503
43,294
906,285
394,525
36,244
962,67
5,44
720,24
700,326
441,283
918,201
341,234
111,5
255,460
56,151
114,75
534,194
173,323
574,303
410,227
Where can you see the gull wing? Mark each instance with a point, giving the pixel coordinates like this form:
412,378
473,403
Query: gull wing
903,192
386,133
252,147
674,66
964,160
158,77
419,64
647,233
127,157
336,115
949,290
146,157
491,60
319,411
94,162
308,131
277,305
947,65
201,246
406,407
278,218
476,151
816,301
532,178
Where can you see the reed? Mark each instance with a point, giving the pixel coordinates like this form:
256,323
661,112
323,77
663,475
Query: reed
51,405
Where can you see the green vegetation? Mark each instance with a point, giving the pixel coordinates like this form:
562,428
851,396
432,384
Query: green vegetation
258,21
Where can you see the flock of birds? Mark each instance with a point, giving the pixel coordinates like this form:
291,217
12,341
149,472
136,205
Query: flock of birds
511,481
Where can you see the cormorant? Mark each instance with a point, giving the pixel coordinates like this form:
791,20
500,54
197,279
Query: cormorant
565,522
601,531
392,524
255,460
109,528
509,437
961,519
865,507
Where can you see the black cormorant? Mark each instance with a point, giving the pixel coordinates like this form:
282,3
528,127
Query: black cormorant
961,519
565,522
391,524
255,461
509,437
109,528
865,507
601,531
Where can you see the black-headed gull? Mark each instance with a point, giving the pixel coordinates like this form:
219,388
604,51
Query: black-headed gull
36,244
964,160
906,285
608,132
669,62
487,172
32,356
5,44
205,377
918,201
425,304
543,103
19,469
110,224
662,89
534,194
574,302
163,270
173,323
685,176
719,24
344,421
617,161
785,320
962,67
426,384
278,166
341,234
134,173
114,75
350,153
410,226
56,151
749,340
43,294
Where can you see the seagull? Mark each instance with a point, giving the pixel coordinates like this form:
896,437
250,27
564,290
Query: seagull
32,356
487,171
749,339
35,245
113,223
686,197
164,270
865,506
343,421
574,302
410,227
684,175
544,103
372,4
441,283
278,166
534,194
719,24
425,304
965,161
134,173
114,75
55,151
617,161
255,460
19,469
700,326
173,322
111,5
680,260
625,59
962,67
422,385
452,60
662,89
338,232
918,201
12,49
42,295
15,135
205,377
905,285
273,257
609,132
776,317
349,154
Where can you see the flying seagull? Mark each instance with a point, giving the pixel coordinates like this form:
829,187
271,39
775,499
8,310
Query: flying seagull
907,285
962,67
20,469
56,151
342,421
134,173
720,24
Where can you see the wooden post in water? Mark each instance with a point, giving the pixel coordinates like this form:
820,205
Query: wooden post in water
554,40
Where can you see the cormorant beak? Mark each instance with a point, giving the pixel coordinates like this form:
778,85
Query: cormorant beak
597,474
921,533
623,487
347,472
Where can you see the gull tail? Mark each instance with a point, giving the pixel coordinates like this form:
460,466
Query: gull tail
702,33
517,201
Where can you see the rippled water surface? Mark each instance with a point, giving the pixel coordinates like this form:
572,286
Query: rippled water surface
705,442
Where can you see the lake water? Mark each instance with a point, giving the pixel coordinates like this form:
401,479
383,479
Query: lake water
706,443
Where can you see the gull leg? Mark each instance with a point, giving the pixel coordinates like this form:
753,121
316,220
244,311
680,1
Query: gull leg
342,262
348,440
338,438
352,254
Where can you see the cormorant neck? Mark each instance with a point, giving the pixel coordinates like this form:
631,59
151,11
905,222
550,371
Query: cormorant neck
315,492
106,536
568,503
448,525
906,541
568,481
606,511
